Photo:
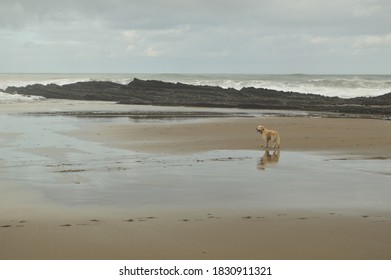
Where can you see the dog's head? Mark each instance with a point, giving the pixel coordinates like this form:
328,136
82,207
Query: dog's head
260,128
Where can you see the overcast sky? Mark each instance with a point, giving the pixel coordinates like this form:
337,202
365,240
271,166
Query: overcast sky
196,36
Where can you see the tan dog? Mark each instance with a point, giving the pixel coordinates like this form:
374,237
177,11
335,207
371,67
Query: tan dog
268,135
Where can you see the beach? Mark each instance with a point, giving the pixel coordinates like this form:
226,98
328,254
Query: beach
362,136
82,186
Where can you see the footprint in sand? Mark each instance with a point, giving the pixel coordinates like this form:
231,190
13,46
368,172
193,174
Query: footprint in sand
140,219
211,216
247,218
18,225
144,219
334,214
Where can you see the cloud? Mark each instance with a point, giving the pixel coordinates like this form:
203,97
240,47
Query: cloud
319,40
354,42
364,9
152,52
200,34
132,39
154,42
369,41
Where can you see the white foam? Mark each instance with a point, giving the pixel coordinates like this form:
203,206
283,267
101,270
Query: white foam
15,98
21,80
341,86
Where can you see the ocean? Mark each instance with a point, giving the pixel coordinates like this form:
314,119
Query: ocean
345,86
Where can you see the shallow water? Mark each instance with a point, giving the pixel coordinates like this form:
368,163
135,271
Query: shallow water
71,172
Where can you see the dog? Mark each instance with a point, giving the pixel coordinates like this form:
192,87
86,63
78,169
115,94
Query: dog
268,135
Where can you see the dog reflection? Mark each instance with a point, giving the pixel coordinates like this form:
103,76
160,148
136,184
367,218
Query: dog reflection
268,159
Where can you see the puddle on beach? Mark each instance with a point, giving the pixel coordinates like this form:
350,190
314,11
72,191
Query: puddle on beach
83,173
222,179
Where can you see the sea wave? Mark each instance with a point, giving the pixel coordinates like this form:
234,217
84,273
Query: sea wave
21,80
346,86
15,98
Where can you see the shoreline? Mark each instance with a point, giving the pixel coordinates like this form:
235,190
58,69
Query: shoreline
109,188
112,109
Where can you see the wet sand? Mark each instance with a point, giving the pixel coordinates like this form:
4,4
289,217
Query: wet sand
259,235
94,188
359,136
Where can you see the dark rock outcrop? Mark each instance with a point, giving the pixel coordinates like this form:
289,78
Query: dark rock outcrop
178,94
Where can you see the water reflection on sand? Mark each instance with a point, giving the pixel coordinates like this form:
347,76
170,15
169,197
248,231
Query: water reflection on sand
227,178
269,158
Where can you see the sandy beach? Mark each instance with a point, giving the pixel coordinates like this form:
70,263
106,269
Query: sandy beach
361,136
191,188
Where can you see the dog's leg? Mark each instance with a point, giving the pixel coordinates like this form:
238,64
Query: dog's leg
267,142
276,144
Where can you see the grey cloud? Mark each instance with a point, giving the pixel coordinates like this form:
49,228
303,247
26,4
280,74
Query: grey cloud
256,35
273,15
